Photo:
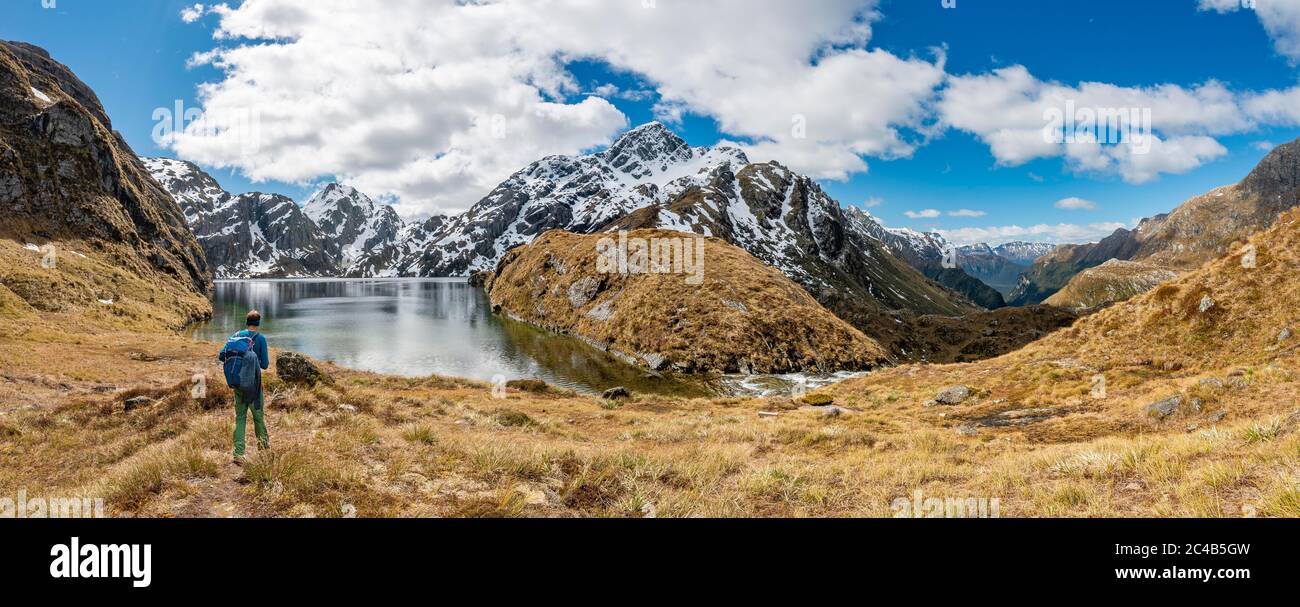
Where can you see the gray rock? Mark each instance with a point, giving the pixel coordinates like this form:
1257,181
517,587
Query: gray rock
832,412
1239,382
955,395
1191,405
654,361
347,408
967,430
1213,383
1164,408
582,291
736,305
137,402
602,312
1284,335
1207,304
295,368
616,393
1216,417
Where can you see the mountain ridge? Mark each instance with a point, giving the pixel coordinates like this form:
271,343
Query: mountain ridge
1199,230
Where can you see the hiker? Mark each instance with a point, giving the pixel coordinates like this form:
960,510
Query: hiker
243,359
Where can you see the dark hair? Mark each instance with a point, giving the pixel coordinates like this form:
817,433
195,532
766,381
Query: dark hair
254,319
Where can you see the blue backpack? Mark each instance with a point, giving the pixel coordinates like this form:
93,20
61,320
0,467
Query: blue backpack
242,368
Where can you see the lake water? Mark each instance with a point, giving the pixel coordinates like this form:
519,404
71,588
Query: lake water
416,328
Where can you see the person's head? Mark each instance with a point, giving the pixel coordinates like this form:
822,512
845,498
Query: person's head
253,320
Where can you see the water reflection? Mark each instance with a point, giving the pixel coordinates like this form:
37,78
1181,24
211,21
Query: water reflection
421,327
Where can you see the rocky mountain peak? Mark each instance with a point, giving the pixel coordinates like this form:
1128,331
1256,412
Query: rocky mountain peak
1277,174
196,191
335,202
1023,252
653,149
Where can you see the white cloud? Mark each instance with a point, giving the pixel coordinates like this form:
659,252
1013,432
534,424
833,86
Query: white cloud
1009,110
1076,204
1281,19
1263,146
190,14
966,213
925,214
434,102
873,202
372,96
1056,234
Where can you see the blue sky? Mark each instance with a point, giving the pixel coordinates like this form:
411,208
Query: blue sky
134,54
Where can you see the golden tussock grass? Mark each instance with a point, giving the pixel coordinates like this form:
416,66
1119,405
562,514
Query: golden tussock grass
1035,434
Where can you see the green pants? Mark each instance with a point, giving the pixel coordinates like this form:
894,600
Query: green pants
241,420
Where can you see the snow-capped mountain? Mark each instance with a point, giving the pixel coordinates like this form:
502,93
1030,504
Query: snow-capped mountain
579,194
650,177
250,235
1024,253
359,227
926,251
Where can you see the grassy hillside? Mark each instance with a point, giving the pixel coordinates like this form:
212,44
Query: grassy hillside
743,315
1108,283
1033,432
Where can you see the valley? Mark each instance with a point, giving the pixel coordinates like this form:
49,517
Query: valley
1172,396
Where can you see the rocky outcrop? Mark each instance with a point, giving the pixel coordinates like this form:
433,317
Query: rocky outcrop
65,175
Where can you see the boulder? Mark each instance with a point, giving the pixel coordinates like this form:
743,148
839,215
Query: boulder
1164,408
818,400
137,402
955,395
1207,304
833,412
616,393
295,368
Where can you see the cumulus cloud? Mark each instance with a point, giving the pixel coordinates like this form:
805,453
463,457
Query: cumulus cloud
966,213
1062,233
1076,204
193,13
436,101
1154,130
1281,19
925,214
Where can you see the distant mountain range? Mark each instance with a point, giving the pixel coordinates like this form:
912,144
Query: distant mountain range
1203,228
1000,267
649,178
336,233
